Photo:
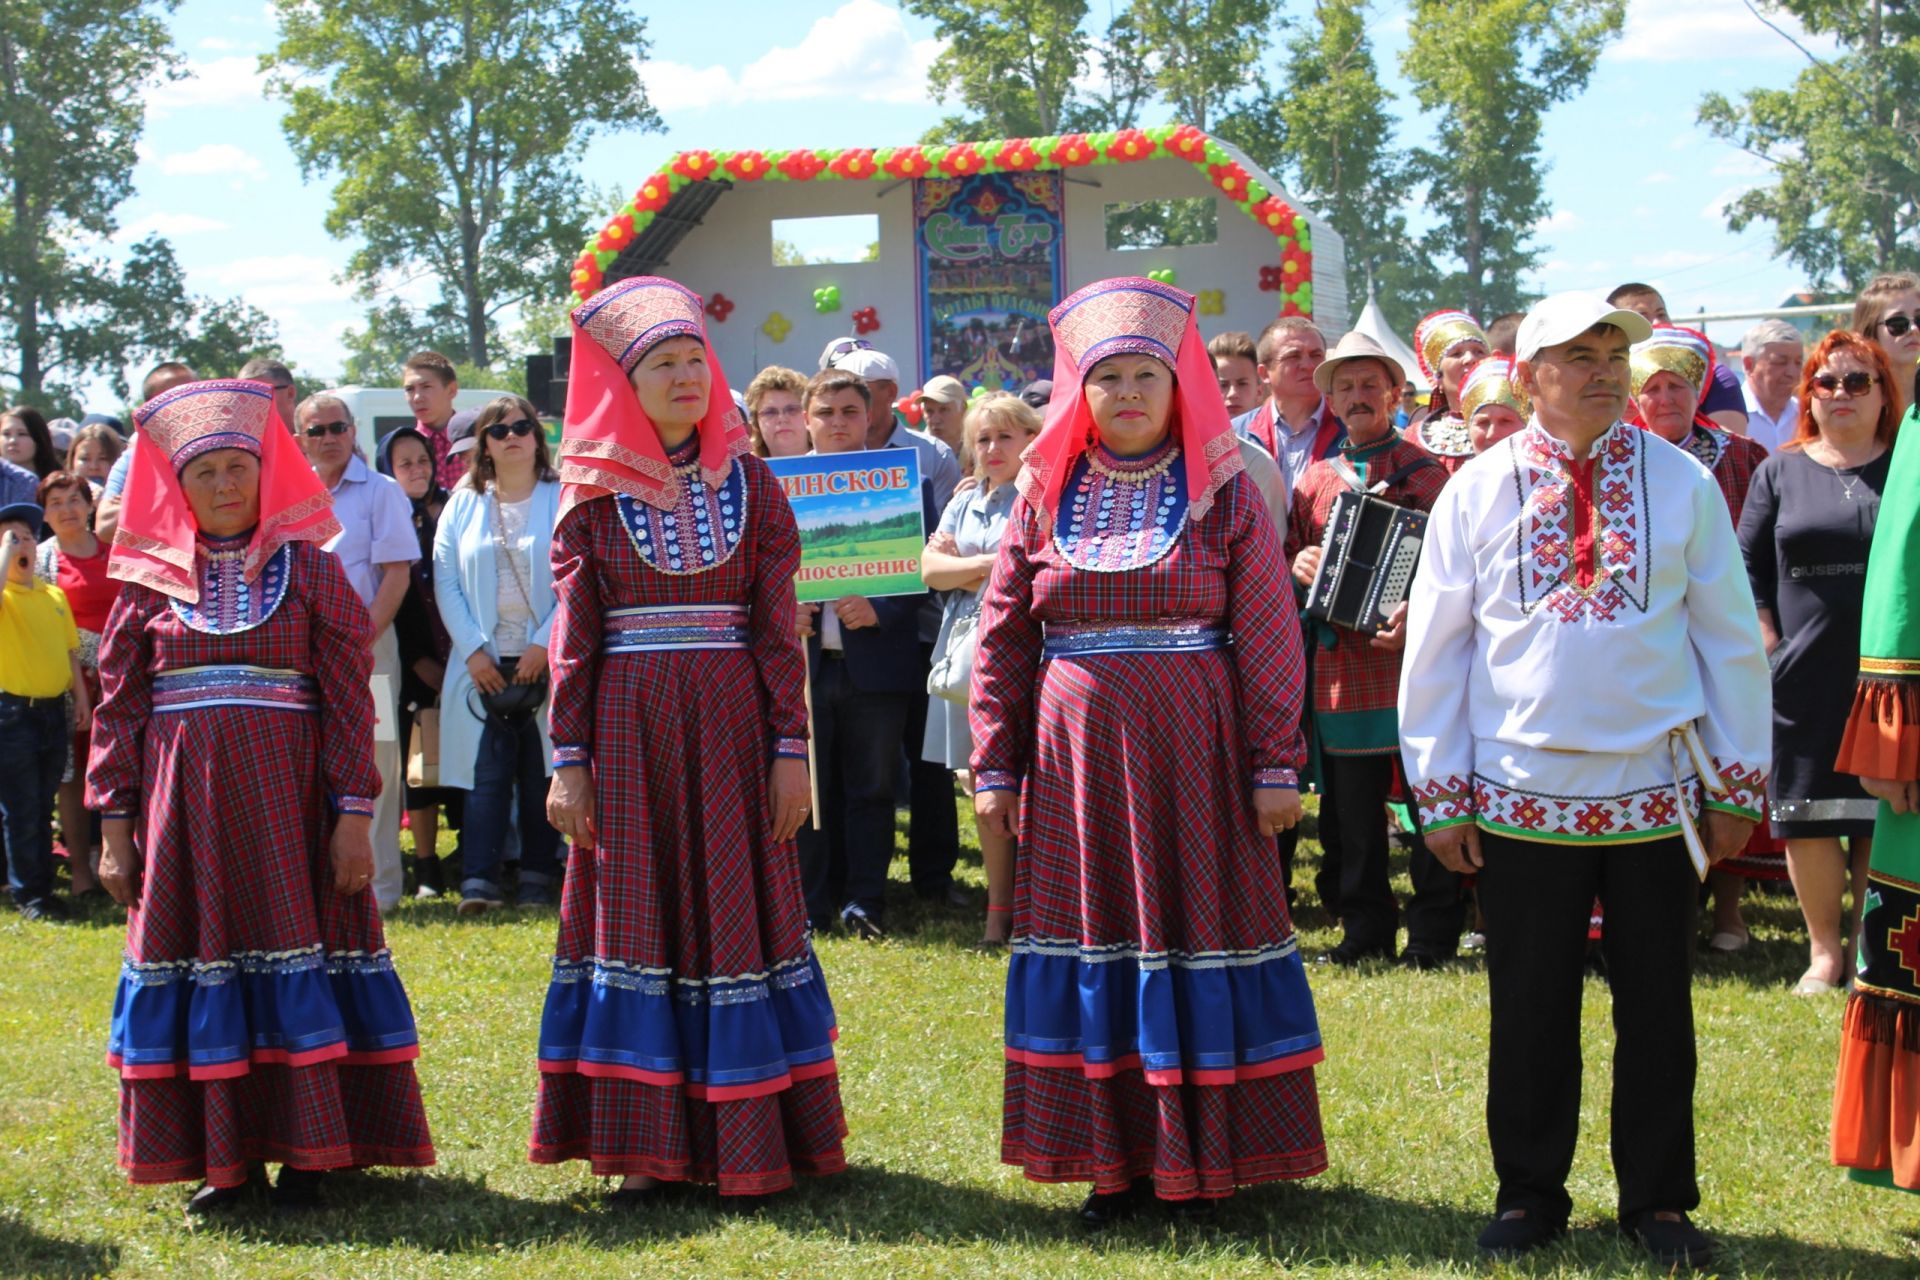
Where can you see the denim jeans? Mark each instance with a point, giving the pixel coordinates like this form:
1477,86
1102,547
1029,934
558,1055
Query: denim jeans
33,755
509,759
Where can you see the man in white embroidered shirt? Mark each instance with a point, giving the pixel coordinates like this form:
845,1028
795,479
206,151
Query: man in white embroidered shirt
1585,711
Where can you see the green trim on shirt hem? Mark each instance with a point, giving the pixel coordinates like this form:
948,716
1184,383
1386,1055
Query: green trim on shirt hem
1555,837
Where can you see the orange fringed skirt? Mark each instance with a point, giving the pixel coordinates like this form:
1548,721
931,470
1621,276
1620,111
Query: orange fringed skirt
1876,1097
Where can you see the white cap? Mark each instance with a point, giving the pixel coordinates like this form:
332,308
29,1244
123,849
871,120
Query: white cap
840,347
944,388
871,365
1565,316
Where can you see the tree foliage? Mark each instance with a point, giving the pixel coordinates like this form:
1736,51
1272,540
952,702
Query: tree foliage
1206,52
451,129
1012,63
72,76
1843,144
1488,70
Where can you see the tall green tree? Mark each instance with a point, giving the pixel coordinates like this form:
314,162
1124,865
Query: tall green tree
72,75
1208,51
451,128
1489,70
1843,144
1012,63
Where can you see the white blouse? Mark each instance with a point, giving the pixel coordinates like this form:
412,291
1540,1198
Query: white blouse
1583,652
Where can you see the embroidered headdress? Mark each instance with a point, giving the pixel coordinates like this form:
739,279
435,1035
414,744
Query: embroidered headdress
608,444
1131,315
1440,333
1686,353
156,543
1491,381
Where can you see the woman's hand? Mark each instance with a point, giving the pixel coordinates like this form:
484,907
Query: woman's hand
352,852
119,872
1898,795
998,812
531,666
570,805
1276,809
789,797
486,676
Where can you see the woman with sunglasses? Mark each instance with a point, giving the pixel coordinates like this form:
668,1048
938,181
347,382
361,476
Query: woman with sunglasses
493,581
1805,531
1888,313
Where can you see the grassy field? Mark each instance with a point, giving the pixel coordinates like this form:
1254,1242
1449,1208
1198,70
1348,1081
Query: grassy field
1402,1091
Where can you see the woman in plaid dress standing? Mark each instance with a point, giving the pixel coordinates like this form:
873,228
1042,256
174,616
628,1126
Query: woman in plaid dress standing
1136,721
687,1035
258,1015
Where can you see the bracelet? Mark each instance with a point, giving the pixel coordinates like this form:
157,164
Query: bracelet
993,910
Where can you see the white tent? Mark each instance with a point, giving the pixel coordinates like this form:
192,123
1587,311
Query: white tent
1373,323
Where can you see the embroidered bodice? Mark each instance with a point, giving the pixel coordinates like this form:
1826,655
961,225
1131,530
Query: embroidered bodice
229,604
704,528
1122,513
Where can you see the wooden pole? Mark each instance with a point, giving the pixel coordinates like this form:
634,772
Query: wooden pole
813,759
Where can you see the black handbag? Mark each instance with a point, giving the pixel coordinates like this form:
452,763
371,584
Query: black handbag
516,704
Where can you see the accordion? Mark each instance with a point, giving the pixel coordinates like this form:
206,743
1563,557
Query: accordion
1367,559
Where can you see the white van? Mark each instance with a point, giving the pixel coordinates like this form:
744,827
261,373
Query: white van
380,411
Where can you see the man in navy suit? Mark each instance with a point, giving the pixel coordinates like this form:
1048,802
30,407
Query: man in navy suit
867,670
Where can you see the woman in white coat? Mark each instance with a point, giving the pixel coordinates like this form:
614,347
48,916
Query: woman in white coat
493,582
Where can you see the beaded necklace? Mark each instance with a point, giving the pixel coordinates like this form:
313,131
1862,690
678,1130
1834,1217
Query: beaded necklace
1121,513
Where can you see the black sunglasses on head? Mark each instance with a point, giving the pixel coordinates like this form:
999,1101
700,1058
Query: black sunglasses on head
501,430
317,429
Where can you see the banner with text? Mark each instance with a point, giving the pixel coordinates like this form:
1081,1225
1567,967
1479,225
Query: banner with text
862,527
990,254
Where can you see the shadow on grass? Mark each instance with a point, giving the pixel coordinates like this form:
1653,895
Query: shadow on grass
25,1252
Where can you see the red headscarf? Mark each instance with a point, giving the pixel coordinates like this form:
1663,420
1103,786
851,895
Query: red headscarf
1130,314
156,544
608,444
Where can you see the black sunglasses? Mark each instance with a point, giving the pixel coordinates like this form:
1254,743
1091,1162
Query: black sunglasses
317,429
1898,325
1855,383
501,430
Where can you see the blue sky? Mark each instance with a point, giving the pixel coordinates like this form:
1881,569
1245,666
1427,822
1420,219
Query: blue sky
1635,185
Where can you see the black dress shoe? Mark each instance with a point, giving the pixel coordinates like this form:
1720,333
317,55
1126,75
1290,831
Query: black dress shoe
299,1190
1420,960
1516,1232
1670,1238
1104,1208
862,923
1192,1209
210,1199
630,1198
1347,955
48,910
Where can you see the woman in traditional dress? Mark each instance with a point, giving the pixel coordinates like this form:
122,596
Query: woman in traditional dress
258,1016
1876,1101
1447,344
688,1035
1136,724
1492,402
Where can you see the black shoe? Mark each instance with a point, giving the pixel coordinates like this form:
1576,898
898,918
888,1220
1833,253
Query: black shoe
48,910
1104,1208
630,1198
1516,1232
1347,955
428,880
860,922
210,1199
957,897
1192,1209
1671,1239
1423,961
299,1189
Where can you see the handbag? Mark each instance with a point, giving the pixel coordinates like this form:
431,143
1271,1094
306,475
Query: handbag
515,704
951,676
423,749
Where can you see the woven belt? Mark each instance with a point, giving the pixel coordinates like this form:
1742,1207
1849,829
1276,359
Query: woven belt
1682,743
1087,639
671,627
190,688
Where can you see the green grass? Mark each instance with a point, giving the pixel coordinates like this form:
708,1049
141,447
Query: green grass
1402,1091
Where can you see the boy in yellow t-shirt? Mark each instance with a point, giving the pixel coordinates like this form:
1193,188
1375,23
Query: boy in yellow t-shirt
39,663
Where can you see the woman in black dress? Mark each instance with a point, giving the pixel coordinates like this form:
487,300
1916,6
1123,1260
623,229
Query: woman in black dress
1805,531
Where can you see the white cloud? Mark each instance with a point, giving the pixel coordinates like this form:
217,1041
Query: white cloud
231,81
170,225
282,282
213,159
1741,164
1656,178
861,51
220,44
1715,210
1659,31
1677,259
1558,220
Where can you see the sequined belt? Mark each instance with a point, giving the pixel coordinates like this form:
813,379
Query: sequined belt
190,688
1085,639
665,627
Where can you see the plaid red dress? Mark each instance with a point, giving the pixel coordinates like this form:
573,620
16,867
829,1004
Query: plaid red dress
1355,686
687,1033
258,1015
1158,1019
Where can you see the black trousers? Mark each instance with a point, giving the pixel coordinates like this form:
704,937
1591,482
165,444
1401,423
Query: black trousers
933,833
856,742
1537,898
1353,831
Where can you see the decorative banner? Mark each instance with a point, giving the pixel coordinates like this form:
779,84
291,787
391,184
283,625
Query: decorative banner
989,253
862,525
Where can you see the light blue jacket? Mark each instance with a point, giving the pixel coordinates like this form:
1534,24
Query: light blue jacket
466,587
